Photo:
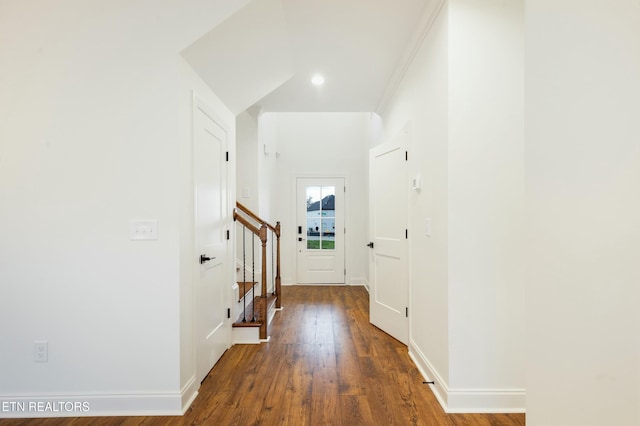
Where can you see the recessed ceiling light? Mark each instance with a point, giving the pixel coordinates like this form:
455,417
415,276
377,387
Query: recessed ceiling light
317,80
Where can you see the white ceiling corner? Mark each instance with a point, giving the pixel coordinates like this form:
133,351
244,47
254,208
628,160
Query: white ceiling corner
245,57
265,54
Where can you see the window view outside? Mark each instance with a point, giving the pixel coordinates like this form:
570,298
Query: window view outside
321,217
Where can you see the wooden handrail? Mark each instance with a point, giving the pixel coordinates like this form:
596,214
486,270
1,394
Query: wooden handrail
250,227
255,217
248,212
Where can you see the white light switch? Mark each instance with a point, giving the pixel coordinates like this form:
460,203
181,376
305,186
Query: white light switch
41,351
245,192
144,230
416,183
427,226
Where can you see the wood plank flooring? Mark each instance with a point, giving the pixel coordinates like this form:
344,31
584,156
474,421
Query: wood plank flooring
325,365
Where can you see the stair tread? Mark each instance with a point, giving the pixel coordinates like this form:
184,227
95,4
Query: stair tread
271,300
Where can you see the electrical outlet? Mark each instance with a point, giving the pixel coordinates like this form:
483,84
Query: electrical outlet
41,351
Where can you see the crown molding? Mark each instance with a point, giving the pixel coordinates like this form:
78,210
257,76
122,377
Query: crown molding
426,22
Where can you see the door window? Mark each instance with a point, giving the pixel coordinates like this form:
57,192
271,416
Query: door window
321,217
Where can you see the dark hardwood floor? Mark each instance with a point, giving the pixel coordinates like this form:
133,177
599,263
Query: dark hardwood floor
325,364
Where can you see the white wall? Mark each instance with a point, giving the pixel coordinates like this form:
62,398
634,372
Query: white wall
463,95
248,178
268,163
95,131
322,144
247,160
486,194
582,186
422,100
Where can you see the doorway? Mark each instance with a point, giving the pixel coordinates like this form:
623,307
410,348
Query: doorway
320,230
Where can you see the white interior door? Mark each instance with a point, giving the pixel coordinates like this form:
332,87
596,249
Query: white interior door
388,270
320,232
213,334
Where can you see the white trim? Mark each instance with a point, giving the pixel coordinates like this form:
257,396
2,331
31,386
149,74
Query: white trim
358,281
131,404
189,393
461,400
487,401
429,373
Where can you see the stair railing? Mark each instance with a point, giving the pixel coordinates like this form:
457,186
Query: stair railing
263,230
274,232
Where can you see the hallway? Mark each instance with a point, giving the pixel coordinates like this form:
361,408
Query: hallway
325,364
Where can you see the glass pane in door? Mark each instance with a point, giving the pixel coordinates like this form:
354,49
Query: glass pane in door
313,217
320,217
328,233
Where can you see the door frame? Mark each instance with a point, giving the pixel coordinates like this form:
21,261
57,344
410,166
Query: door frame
293,209
200,103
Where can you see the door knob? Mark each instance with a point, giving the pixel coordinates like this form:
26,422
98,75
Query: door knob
204,258
370,245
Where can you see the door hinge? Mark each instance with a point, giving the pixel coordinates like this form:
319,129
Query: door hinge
406,234
228,312
345,230
345,271
406,312
227,155
345,189
406,156
228,234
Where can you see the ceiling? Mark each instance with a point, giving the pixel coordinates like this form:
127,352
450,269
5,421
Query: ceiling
264,55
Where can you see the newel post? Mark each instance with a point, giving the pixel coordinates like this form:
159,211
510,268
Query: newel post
263,293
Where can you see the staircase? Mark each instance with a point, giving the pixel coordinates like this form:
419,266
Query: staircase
258,277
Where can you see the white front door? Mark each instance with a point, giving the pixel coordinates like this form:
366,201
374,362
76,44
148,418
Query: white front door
213,334
320,231
388,218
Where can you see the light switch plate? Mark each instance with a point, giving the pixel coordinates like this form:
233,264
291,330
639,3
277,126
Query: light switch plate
41,351
143,230
416,183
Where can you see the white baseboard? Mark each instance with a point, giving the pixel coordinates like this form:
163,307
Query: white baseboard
189,393
77,405
358,281
429,373
459,400
487,401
